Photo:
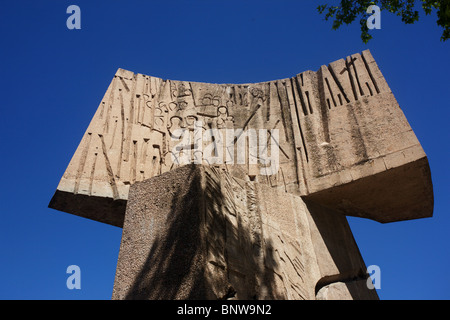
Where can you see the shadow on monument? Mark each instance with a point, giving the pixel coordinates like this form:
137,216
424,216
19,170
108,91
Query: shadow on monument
167,272
186,236
201,253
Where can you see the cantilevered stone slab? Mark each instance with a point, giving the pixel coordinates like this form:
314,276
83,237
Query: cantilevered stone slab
197,232
344,141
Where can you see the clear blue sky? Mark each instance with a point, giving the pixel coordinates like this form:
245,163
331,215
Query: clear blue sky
52,80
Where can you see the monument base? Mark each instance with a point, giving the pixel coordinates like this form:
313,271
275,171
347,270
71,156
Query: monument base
196,232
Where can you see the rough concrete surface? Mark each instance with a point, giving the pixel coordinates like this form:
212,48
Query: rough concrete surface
198,233
230,230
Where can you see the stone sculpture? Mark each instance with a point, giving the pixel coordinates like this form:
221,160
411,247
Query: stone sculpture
247,226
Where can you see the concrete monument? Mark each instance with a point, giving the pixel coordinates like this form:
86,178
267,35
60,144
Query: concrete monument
241,191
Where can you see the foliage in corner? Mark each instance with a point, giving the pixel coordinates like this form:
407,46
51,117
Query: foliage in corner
349,10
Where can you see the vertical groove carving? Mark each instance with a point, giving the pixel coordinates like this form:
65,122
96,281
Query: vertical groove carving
81,164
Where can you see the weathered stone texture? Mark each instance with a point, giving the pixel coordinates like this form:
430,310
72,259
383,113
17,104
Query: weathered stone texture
230,230
339,126
199,233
